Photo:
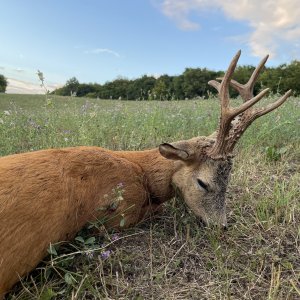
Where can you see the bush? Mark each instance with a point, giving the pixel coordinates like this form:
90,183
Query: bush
3,84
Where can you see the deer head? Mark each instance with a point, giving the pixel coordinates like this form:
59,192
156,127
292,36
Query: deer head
203,164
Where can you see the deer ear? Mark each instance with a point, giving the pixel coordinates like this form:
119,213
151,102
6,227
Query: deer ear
174,152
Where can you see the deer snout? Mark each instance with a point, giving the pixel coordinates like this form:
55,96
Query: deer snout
216,221
222,222
224,225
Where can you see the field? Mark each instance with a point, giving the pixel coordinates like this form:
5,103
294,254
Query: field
171,256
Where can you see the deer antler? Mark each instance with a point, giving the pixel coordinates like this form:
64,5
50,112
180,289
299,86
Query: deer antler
229,132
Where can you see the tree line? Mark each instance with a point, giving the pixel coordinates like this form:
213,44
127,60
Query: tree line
191,84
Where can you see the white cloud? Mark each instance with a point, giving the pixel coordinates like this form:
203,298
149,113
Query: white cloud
102,50
273,22
19,70
23,87
155,75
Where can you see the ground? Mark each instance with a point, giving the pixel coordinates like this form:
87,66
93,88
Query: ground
171,256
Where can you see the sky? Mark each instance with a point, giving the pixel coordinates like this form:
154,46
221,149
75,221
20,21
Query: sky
101,40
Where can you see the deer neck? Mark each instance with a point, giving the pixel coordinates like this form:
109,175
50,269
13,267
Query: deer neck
157,172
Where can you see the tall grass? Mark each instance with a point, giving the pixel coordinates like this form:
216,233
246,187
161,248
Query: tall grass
171,256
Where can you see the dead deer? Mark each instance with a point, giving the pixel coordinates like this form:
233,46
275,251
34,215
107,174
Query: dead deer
48,196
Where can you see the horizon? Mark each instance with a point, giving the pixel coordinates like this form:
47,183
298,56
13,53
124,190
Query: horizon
100,41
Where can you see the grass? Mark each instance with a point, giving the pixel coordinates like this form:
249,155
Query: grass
171,256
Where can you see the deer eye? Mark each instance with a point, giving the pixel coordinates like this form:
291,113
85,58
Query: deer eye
202,184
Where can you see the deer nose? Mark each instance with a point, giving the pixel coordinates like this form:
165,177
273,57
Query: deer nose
223,222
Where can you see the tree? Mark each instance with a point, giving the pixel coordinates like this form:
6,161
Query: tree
85,88
289,77
142,87
119,88
3,84
282,78
192,83
70,88
195,82
163,88
178,82
72,85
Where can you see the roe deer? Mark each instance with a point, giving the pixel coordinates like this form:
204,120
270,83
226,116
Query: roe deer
47,196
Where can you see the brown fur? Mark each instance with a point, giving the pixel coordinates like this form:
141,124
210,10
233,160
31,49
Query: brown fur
48,196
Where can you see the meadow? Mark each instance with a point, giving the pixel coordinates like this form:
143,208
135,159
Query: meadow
171,256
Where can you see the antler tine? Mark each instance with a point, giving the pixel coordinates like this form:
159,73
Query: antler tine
272,106
249,116
251,82
250,102
246,90
223,87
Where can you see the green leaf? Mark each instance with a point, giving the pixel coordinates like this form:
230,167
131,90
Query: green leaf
51,250
79,239
47,294
69,279
90,241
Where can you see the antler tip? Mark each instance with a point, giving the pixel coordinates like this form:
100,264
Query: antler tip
237,56
264,60
212,82
215,84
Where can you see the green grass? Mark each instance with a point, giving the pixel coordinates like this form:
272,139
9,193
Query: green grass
171,256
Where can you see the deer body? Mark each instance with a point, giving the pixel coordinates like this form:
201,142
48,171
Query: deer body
47,196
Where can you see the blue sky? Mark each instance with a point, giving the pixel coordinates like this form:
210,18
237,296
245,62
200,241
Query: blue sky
99,40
